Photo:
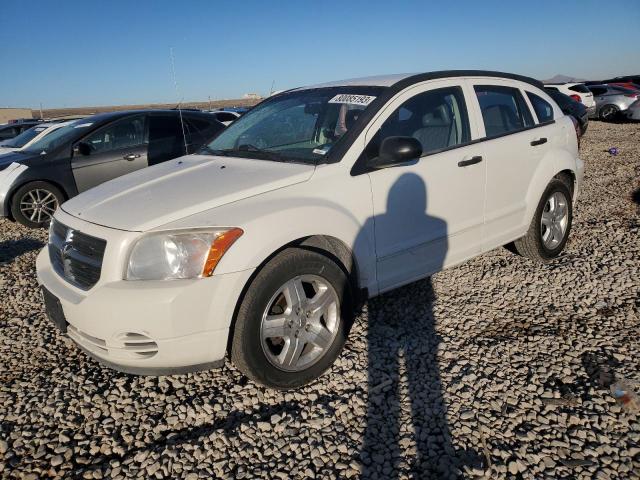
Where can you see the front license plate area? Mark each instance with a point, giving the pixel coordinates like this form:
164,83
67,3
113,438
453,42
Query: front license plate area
54,310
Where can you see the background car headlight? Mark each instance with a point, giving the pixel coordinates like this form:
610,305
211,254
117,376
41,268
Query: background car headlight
173,255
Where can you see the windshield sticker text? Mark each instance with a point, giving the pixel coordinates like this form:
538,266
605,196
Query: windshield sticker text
363,100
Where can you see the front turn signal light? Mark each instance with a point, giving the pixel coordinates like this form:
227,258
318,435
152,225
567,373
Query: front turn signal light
219,247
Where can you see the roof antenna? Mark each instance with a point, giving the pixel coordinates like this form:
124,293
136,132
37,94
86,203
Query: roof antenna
175,84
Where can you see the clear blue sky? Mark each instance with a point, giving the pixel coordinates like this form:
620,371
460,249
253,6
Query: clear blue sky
89,52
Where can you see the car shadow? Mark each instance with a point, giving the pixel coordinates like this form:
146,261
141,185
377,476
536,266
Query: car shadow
403,367
635,196
12,249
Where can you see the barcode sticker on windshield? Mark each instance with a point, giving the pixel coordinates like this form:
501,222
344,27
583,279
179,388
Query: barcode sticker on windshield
353,99
83,125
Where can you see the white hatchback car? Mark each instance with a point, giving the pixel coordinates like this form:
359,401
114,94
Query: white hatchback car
579,92
317,199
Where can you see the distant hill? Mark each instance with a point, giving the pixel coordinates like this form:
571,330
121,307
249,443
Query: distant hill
563,79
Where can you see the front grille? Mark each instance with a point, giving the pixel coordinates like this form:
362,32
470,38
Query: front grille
75,256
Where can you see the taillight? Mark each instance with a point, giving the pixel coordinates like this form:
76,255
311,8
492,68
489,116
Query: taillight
577,98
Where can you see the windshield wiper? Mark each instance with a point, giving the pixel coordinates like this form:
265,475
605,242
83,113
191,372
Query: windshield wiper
212,151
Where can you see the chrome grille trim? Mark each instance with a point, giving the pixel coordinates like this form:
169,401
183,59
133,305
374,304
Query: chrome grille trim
75,256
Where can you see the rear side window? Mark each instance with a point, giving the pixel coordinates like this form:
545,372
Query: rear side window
544,111
200,131
579,88
598,90
225,117
503,109
436,118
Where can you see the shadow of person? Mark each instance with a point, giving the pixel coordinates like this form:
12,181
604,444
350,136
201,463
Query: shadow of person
12,249
403,373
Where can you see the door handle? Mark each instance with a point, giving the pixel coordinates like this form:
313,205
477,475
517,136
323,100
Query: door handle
131,156
470,161
538,141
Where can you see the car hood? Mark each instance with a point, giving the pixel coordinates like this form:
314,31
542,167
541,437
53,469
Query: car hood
155,196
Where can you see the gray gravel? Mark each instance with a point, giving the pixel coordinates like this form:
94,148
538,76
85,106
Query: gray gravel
499,368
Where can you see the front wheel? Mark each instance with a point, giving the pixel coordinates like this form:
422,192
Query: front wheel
549,229
34,204
293,320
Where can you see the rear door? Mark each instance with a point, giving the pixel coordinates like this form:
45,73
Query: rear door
512,149
111,151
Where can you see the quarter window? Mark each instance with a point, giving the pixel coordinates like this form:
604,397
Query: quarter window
437,118
503,109
544,111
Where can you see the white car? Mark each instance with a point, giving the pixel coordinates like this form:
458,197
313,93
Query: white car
29,137
578,91
314,201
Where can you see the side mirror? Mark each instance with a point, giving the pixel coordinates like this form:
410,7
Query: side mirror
395,151
82,149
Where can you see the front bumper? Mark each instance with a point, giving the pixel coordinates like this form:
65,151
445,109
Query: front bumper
149,327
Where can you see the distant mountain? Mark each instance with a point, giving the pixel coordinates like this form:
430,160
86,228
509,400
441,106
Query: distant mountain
563,79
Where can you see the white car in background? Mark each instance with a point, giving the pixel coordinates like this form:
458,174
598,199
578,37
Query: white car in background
29,137
579,92
319,198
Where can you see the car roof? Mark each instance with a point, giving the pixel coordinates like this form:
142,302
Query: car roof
401,80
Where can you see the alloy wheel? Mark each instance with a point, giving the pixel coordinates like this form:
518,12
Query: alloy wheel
300,323
554,220
38,205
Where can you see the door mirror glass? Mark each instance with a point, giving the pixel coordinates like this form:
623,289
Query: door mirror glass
82,148
396,150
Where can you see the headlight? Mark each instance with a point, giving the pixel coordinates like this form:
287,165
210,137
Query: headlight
180,254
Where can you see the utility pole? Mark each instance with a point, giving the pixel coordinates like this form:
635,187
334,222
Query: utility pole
41,117
209,102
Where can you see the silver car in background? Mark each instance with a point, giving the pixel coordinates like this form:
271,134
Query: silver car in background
611,101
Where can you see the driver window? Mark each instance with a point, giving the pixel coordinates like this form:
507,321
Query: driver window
122,134
436,118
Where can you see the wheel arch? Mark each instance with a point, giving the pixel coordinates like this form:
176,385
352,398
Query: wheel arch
18,185
331,247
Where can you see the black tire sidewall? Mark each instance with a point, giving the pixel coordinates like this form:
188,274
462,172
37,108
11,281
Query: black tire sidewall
19,193
613,115
247,352
554,186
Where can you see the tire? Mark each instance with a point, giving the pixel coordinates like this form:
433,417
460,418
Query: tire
609,113
261,355
23,200
537,244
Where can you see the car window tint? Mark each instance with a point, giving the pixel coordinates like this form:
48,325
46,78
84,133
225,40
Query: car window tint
7,133
544,111
199,131
598,90
166,140
437,118
225,117
125,133
503,109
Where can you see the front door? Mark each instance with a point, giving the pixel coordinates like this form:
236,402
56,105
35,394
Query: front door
113,150
427,213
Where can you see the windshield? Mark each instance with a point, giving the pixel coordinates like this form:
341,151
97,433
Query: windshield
24,138
57,137
301,126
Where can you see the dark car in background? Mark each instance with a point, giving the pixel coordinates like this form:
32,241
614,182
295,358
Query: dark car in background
93,150
571,107
13,129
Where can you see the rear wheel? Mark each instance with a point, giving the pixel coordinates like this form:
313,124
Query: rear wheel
293,320
34,204
609,113
549,229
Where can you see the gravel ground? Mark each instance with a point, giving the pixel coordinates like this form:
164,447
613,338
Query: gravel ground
499,368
